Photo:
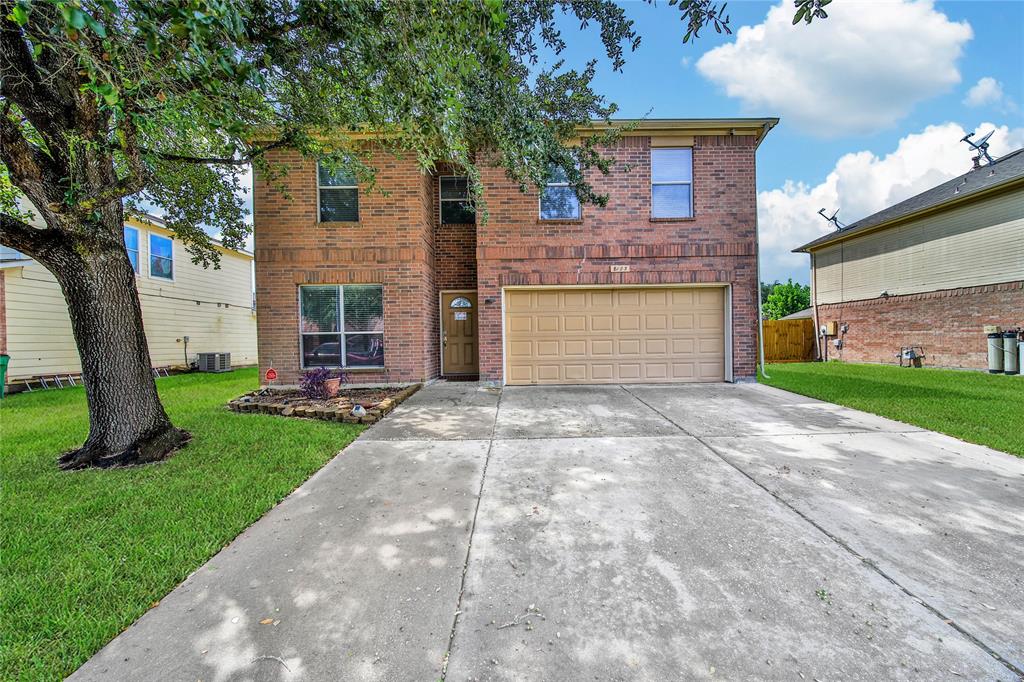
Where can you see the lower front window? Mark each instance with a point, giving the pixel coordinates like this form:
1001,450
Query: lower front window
342,326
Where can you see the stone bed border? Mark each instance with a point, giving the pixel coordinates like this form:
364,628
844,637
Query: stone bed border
326,413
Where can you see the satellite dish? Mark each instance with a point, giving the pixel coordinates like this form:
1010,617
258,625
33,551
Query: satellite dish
980,146
832,218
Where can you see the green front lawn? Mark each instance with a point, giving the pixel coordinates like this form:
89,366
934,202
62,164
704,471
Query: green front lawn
973,406
84,554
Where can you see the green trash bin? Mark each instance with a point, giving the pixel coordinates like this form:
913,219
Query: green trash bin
4,360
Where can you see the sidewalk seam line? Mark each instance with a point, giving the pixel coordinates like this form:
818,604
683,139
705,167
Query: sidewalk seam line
847,547
469,545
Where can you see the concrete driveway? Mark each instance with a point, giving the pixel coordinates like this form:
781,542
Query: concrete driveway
614,533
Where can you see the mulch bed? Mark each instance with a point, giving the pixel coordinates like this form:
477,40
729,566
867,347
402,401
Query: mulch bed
291,403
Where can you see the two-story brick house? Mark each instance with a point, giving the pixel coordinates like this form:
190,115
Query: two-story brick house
658,286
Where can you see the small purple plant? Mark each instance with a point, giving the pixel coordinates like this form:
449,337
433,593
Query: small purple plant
314,383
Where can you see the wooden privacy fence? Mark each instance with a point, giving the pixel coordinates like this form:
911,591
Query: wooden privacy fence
789,340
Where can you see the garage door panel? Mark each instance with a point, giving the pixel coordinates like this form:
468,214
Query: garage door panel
629,347
629,298
656,322
682,298
683,371
629,323
574,323
656,346
655,370
520,349
575,347
615,335
629,370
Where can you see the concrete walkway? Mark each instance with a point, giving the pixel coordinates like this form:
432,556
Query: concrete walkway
614,533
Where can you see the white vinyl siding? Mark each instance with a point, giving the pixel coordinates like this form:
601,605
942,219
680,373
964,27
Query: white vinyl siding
212,307
972,245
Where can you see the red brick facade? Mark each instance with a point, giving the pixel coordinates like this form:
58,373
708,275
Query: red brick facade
400,243
947,324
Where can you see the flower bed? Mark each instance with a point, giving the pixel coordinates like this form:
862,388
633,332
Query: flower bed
376,402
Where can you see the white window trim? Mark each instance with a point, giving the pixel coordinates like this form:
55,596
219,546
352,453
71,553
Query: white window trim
343,342
540,204
138,240
671,182
441,201
320,187
149,258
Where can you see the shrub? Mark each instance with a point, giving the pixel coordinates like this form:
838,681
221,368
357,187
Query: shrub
313,383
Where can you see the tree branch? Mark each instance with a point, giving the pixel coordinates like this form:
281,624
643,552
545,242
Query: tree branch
19,235
25,163
218,160
22,82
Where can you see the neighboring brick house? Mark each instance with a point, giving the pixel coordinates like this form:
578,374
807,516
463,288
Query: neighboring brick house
930,271
407,285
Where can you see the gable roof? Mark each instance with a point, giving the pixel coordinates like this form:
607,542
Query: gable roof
1006,170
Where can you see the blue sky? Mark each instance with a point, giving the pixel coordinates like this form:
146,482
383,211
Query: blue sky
873,100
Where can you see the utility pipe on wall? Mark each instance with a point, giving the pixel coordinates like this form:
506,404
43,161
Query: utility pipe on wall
760,313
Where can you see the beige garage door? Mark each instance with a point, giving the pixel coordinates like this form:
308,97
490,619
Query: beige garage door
595,336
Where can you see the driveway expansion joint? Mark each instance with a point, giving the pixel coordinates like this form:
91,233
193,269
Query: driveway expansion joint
469,546
866,561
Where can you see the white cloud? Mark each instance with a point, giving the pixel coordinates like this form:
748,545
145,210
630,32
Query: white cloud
860,184
986,91
858,71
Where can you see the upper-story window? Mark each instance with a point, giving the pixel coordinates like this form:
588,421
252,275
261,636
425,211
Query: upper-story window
161,257
456,206
558,201
339,196
131,245
672,183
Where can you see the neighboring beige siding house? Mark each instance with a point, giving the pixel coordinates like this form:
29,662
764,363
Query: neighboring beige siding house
213,308
931,271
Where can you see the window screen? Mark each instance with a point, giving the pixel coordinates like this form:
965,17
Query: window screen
339,196
342,326
558,201
672,183
456,206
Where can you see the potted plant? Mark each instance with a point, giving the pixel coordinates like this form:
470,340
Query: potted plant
320,384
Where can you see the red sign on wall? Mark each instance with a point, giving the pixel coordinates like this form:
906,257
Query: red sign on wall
271,374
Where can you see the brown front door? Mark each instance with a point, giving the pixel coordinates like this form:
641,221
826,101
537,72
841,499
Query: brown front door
458,333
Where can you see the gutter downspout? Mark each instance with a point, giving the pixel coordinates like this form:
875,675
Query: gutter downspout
757,259
814,306
760,312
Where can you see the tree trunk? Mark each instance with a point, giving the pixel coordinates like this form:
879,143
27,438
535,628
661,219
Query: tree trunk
127,422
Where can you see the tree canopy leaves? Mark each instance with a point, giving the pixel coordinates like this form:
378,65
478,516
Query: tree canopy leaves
786,299
177,98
